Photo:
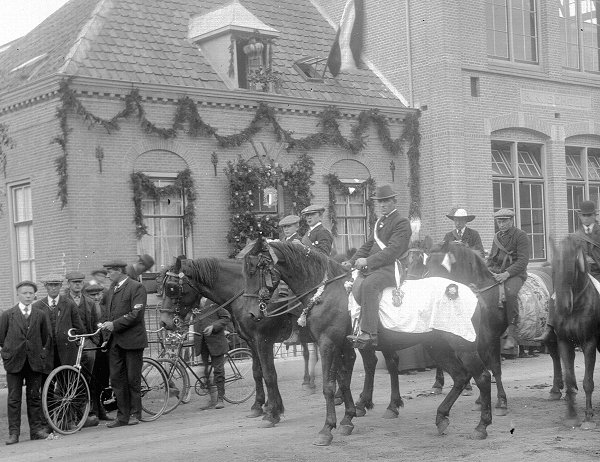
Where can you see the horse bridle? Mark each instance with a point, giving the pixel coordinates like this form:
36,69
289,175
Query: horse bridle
267,277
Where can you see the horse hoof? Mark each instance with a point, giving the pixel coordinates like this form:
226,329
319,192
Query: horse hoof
255,413
323,440
266,424
360,412
389,414
478,435
555,395
571,422
346,430
588,425
500,411
436,391
442,425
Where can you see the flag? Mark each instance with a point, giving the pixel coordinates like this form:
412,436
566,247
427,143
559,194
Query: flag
347,46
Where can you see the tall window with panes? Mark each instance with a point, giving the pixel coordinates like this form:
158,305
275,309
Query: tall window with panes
518,184
163,218
512,32
351,214
580,34
583,179
22,221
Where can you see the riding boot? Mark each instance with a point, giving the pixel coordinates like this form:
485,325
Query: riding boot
510,342
293,339
545,336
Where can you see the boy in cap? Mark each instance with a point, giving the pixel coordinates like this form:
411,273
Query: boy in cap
461,232
318,237
377,259
25,339
508,261
290,225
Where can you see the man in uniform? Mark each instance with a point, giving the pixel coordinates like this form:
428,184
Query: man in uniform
589,236
508,261
144,263
377,259
461,233
125,307
318,237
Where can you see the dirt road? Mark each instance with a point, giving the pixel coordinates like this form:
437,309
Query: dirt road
532,430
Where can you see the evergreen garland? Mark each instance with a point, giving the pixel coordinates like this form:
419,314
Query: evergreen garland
335,185
412,135
5,142
143,186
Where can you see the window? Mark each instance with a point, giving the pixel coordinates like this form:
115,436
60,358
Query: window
164,220
22,220
518,184
583,179
351,212
512,30
580,34
254,62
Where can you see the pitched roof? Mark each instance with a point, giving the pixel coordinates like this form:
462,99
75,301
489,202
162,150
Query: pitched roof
146,42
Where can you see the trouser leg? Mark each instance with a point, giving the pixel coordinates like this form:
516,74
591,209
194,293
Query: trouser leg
218,363
33,388
134,380
87,362
511,290
14,382
371,290
118,380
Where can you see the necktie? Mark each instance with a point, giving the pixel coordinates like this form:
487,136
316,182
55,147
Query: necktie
26,313
53,305
460,233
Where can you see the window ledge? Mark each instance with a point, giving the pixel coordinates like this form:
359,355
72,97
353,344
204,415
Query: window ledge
515,68
588,78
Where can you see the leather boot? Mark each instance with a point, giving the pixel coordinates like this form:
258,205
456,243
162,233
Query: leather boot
293,338
511,341
545,336
219,404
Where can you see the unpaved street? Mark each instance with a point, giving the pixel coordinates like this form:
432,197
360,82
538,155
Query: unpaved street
532,431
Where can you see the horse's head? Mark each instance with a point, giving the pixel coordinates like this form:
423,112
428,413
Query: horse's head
180,296
459,263
569,271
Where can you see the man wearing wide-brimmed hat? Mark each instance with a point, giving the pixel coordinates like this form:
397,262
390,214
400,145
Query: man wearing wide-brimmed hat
377,259
508,261
318,237
461,232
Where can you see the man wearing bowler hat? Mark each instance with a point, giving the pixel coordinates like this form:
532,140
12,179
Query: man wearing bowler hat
125,307
376,259
508,261
318,237
461,232
143,264
589,237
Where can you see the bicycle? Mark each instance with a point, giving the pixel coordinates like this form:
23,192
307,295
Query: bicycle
66,393
239,380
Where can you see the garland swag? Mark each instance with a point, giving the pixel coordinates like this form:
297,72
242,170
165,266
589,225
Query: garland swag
5,142
335,185
143,186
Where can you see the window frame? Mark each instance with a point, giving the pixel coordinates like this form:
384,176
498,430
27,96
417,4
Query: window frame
581,65
342,240
586,183
16,262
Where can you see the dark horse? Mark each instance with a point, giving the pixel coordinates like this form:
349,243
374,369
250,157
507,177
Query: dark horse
329,323
221,281
576,322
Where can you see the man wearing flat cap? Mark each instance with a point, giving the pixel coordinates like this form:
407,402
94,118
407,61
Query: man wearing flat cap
290,225
143,264
25,340
508,260
317,237
462,233
377,257
125,307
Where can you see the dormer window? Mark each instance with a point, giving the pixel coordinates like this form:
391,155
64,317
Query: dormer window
311,69
254,64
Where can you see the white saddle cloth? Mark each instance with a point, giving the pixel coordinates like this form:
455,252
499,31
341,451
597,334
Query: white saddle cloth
426,306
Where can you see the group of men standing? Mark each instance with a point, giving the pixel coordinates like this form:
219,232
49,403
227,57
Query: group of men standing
34,341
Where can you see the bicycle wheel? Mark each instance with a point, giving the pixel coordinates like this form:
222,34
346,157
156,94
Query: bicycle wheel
239,381
179,382
66,400
154,390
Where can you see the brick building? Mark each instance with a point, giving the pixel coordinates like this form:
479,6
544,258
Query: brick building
89,97
509,93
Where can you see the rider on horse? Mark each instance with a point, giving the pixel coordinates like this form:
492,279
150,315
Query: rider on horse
508,261
461,232
377,260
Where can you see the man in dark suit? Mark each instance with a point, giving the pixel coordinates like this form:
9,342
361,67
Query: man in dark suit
376,259
212,344
462,233
508,261
125,307
25,340
318,237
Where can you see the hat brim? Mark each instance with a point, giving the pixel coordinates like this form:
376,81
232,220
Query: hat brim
468,217
384,197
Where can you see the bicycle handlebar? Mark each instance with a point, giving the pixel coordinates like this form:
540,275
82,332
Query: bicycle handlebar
73,336
155,331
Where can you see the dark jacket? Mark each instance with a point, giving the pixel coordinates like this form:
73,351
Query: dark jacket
292,237
592,251
67,317
516,242
20,343
470,238
89,319
394,232
319,238
216,343
125,307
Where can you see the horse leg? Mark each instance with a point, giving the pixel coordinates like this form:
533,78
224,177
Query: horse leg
274,403
306,356
567,356
494,361
344,378
259,400
557,382
476,368
313,360
589,352
365,400
438,385
391,361
329,364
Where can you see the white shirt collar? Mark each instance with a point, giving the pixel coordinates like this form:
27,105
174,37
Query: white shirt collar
120,283
50,300
22,307
461,230
313,227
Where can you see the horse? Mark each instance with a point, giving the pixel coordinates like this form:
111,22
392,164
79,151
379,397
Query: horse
466,266
576,322
321,281
221,281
